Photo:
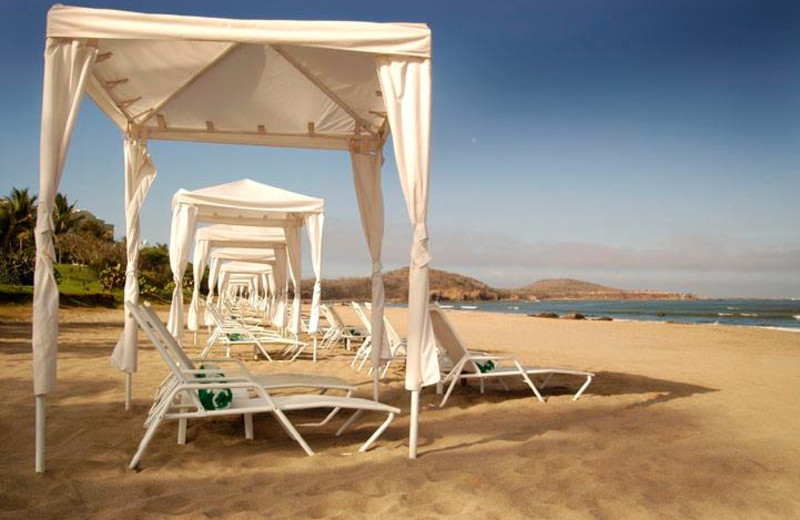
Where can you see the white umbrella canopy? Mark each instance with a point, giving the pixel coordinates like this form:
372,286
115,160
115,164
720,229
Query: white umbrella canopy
245,203
309,84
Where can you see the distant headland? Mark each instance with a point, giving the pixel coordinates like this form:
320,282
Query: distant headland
447,286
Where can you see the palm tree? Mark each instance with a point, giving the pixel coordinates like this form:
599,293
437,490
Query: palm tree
65,219
20,207
5,224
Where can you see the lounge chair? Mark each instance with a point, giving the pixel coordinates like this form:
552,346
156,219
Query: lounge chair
343,332
180,400
268,381
233,332
482,366
363,352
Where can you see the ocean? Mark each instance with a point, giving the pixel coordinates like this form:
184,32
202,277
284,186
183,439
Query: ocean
784,314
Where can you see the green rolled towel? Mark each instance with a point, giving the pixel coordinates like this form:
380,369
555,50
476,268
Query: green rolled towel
214,398
486,367
234,337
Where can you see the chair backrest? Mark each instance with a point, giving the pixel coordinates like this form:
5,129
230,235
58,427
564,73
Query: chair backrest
337,318
174,348
152,328
365,321
448,338
215,315
391,333
326,311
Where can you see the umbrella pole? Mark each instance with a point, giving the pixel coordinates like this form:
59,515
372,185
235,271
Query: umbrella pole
40,419
414,428
128,390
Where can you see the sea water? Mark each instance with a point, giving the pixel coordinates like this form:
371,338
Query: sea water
747,312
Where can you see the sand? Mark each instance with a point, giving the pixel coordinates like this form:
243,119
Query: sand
681,422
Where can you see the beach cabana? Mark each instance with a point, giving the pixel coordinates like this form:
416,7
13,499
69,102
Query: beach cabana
307,84
229,236
248,203
266,283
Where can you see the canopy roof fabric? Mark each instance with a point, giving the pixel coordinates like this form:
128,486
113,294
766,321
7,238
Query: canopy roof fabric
178,77
322,85
244,254
231,233
248,202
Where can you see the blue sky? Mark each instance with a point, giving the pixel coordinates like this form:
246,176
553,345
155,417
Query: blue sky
649,145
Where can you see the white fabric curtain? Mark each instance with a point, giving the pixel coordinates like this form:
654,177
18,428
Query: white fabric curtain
222,284
67,66
367,180
140,172
198,267
314,224
213,270
180,241
281,283
293,249
406,86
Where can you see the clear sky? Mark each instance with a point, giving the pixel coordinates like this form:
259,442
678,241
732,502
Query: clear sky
644,145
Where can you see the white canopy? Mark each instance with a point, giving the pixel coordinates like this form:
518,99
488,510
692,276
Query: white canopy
331,85
247,203
209,239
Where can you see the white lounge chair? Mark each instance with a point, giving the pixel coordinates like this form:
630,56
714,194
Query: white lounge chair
343,332
482,366
181,401
268,381
233,332
363,352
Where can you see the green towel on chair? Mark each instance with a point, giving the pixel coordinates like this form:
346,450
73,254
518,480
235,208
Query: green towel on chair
214,398
486,367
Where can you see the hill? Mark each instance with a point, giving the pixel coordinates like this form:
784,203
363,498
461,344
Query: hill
568,288
443,286
447,286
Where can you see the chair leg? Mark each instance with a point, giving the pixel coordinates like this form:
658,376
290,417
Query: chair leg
349,422
450,389
300,349
364,447
182,431
248,426
533,387
292,431
584,387
148,436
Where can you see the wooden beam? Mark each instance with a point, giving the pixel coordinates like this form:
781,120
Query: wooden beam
162,122
311,128
262,129
320,85
210,126
125,103
110,84
317,141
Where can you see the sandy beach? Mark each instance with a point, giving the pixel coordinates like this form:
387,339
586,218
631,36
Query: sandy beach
682,421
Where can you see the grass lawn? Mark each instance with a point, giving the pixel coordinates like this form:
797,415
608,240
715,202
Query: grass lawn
77,279
78,286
